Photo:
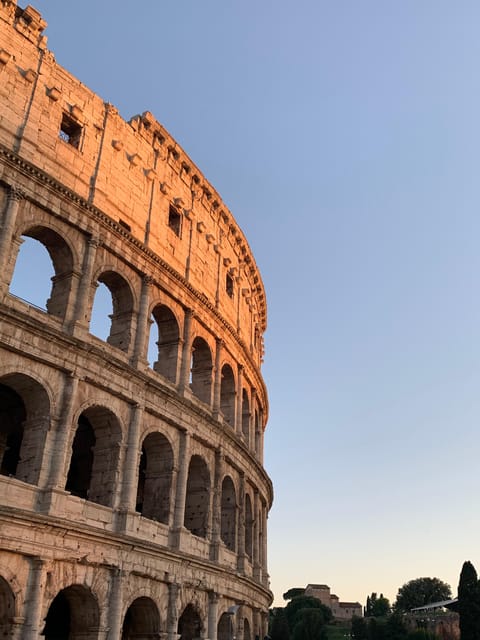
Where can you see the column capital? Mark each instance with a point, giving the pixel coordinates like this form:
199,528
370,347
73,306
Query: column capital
15,193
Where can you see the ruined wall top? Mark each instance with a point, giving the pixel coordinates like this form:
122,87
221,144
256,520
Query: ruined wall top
134,171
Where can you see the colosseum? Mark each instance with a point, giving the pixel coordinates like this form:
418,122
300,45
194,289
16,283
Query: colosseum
133,498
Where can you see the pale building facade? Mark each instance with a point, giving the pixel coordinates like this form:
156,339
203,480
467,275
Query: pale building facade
133,498
340,610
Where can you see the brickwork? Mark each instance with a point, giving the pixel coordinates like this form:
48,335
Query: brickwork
133,499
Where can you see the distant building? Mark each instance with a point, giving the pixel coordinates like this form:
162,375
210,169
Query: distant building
340,610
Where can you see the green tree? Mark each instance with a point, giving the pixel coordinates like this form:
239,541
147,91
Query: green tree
381,606
305,602
310,625
395,627
279,625
422,591
294,592
377,607
359,628
469,603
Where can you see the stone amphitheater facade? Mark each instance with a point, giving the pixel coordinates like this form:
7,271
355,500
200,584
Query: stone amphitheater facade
133,498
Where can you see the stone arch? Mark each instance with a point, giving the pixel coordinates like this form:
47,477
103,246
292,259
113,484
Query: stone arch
24,423
61,256
247,634
155,478
201,370
7,609
142,620
228,518
189,624
228,394
93,470
168,343
73,614
245,417
248,527
197,498
121,293
225,627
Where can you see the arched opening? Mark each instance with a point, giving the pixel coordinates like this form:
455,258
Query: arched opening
225,627
24,422
142,620
248,527
43,252
93,465
245,417
201,371
73,615
247,634
119,334
7,609
228,523
227,394
197,499
163,355
155,478
189,624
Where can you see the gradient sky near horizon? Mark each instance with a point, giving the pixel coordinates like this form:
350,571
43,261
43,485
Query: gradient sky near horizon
344,136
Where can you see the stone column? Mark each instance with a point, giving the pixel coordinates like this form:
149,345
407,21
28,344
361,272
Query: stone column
34,600
264,546
172,613
239,407
59,449
217,383
140,346
115,602
253,425
241,526
257,631
181,489
186,352
256,537
6,233
260,435
79,320
130,467
217,506
213,615
240,624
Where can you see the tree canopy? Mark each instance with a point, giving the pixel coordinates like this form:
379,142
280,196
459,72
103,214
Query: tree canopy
469,603
294,592
377,607
421,591
310,625
295,606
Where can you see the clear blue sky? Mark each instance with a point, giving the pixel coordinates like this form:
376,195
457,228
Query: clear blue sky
345,138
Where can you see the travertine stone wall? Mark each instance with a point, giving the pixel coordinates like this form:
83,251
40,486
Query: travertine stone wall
133,499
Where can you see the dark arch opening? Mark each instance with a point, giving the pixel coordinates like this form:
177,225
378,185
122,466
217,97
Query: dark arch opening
155,478
24,422
228,525
189,624
7,609
225,627
248,527
142,620
92,473
197,497
227,394
245,417
201,371
72,615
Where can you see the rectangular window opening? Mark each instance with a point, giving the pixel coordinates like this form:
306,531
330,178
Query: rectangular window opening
229,285
174,220
70,131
